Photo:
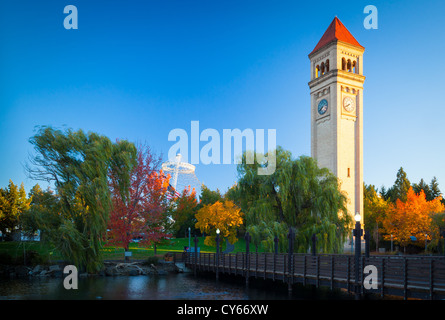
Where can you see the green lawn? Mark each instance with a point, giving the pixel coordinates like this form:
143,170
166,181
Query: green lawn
17,249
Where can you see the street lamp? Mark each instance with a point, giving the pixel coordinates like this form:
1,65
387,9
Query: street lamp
426,239
190,246
358,232
217,252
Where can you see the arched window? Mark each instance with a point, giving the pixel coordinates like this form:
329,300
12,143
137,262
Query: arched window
317,71
349,66
327,65
343,64
322,68
354,67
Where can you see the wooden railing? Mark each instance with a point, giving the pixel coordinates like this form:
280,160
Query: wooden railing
405,276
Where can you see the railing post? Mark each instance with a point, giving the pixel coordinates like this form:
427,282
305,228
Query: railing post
265,265
405,278
236,263
304,270
284,268
349,274
275,256
243,261
382,282
362,275
317,259
290,236
431,279
248,238
256,262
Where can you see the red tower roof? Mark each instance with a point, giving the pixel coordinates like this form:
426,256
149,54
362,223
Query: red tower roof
336,32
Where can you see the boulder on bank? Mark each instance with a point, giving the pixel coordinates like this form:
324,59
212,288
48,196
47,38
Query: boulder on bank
137,268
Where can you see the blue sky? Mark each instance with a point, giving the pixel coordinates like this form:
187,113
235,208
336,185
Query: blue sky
138,69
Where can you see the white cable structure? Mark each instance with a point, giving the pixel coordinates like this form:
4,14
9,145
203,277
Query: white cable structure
182,174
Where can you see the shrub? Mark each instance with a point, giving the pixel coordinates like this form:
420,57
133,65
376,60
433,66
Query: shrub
151,260
31,258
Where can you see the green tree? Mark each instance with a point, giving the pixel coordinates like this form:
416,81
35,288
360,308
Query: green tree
400,188
299,195
374,207
13,203
183,209
417,187
79,164
434,187
208,196
43,212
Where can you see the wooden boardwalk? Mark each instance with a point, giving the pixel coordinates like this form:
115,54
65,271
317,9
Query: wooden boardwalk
420,277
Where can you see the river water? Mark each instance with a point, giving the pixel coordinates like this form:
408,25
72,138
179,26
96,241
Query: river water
182,286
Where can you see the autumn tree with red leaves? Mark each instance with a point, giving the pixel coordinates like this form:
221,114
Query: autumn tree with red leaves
142,211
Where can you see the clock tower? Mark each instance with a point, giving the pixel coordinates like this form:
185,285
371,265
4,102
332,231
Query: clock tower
337,110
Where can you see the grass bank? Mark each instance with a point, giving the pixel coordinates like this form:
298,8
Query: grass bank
17,250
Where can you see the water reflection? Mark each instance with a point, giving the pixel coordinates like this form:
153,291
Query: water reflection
175,286
169,287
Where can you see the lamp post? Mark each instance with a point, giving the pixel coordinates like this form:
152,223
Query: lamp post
358,232
217,253
195,255
190,246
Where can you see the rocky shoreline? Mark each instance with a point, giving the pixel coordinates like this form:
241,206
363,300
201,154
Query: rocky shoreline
110,269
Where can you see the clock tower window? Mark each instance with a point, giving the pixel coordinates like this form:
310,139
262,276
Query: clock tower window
349,66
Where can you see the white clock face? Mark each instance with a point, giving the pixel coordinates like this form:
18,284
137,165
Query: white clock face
348,104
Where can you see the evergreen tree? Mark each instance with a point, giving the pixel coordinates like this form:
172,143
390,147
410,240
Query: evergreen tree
400,188
434,187
208,197
384,193
417,187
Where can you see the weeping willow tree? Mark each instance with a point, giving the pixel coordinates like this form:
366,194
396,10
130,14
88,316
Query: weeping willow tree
78,164
299,195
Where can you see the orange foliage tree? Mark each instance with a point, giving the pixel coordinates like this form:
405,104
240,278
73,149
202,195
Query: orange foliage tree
414,217
142,212
225,216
